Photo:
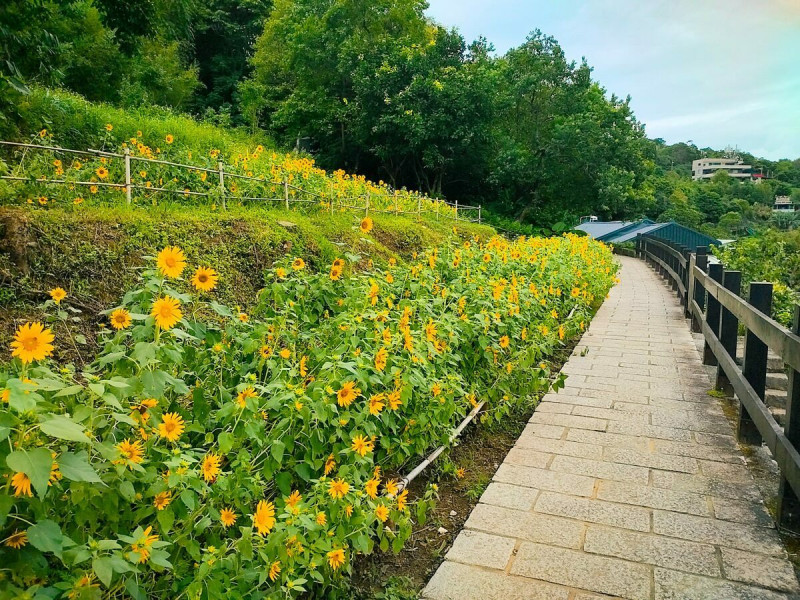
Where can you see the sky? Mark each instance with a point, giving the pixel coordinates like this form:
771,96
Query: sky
717,72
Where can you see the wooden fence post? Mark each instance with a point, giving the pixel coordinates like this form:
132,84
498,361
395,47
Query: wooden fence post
712,313
128,188
456,210
221,169
690,295
286,193
788,503
479,214
755,363
701,261
728,329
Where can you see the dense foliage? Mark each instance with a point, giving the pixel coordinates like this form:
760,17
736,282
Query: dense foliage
209,452
773,256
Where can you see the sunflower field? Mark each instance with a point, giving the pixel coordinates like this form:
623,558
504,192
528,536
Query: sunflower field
206,452
170,169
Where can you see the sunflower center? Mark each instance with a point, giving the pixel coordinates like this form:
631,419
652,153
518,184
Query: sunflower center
30,343
170,261
202,278
166,312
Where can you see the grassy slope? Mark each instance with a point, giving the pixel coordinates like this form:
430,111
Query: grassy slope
92,252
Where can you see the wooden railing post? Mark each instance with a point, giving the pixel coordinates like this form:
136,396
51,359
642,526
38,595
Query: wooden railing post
712,313
456,210
755,363
788,503
690,283
701,260
128,188
222,184
685,279
728,329
286,193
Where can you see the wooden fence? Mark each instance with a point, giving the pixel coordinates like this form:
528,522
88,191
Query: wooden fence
711,297
287,191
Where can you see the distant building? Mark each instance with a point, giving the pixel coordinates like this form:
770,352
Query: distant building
783,204
705,168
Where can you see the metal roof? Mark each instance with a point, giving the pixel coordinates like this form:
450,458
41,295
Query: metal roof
597,229
630,234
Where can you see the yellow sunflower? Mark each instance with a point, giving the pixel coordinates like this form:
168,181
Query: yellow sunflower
336,558
171,426
264,517
366,225
17,539
169,139
132,451
120,319
210,466
166,312
338,488
205,279
102,172
348,393
298,264
361,445
382,513
171,261
58,294
32,342
274,570
227,517
162,500
21,484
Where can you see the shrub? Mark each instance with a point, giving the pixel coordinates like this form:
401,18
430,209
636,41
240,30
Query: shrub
210,453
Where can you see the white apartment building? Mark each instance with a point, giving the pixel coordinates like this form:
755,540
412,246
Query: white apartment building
704,168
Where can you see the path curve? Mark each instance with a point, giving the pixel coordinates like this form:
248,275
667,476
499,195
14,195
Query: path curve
628,483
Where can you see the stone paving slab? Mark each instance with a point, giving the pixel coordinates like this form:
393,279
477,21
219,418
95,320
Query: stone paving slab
628,483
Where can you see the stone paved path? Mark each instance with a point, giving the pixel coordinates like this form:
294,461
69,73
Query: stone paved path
627,483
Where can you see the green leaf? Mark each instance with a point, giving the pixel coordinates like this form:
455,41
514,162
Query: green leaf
98,388
35,463
75,466
277,450
6,502
69,391
188,497
166,518
64,428
284,481
104,570
225,441
127,491
46,536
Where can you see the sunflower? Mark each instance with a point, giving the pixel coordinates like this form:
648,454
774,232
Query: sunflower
380,359
366,225
382,513
227,517
77,201
57,294
210,466
242,397
162,500
330,464
166,312
102,172
294,499
169,139
298,264
205,279
120,319
171,261
171,426
143,544
361,445
274,570
394,399
303,366
504,341
109,127
264,517
371,488
22,485
391,487
32,342
376,403
348,393
17,539
336,558
402,500
131,451
321,519
338,488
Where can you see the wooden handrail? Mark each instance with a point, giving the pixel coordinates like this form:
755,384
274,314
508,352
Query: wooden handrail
710,295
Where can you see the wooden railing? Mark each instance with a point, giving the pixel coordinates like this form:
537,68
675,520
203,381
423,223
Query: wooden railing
711,297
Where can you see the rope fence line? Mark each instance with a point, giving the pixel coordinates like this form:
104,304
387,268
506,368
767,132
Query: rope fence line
461,212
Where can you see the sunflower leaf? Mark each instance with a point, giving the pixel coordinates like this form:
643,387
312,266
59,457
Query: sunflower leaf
35,463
